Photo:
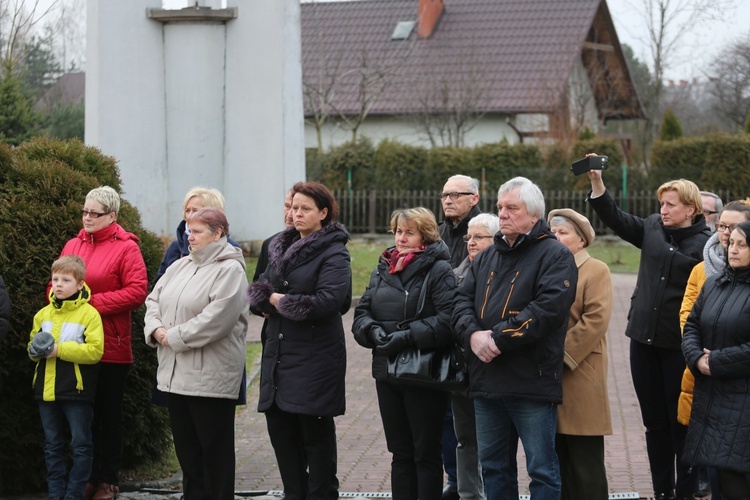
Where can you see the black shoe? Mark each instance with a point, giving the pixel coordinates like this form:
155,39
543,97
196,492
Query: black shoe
703,489
450,492
665,496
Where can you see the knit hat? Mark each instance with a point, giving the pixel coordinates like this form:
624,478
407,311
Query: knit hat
580,221
41,345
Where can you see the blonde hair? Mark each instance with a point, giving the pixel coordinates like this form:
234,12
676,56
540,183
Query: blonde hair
70,264
107,197
422,217
212,198
687,191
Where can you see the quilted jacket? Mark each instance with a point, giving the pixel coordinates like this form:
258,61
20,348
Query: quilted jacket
719,429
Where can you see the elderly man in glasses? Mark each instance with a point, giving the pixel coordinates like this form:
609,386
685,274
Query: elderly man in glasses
712,206
459,198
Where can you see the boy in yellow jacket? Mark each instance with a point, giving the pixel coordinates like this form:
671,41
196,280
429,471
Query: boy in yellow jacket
67,342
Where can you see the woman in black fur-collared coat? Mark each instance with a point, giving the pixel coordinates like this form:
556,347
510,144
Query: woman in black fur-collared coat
303,292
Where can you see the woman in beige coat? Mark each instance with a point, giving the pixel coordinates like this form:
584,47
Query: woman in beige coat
197,318
583,419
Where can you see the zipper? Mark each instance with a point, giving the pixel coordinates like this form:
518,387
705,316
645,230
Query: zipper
487,293
406,299
510,293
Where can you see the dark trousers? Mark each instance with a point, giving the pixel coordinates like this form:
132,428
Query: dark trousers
657,375
413,425
450,442
108,427
203,432
305,448
582,470
734,485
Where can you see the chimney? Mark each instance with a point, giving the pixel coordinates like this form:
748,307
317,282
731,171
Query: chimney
429,12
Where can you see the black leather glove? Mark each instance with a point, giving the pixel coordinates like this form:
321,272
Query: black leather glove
397,342
378,335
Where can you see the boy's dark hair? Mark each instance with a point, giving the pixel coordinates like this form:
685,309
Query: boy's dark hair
70,264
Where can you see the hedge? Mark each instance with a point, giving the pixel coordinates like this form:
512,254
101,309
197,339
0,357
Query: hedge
395,166
717,162
43,185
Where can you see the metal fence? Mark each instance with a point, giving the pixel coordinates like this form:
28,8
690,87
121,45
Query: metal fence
369,211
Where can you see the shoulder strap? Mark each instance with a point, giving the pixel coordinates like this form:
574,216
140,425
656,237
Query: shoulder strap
423,294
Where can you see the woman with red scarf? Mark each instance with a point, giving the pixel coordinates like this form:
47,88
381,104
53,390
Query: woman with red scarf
387,321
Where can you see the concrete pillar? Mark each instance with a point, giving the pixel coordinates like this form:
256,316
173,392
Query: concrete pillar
199,96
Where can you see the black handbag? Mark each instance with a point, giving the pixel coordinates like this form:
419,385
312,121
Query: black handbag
443,368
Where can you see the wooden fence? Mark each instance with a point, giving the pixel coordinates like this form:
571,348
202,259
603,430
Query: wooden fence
369,211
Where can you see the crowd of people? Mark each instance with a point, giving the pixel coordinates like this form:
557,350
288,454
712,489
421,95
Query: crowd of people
516,292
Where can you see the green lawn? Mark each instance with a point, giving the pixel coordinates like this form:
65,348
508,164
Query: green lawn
620,257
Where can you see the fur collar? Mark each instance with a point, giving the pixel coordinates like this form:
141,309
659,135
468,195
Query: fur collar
288,247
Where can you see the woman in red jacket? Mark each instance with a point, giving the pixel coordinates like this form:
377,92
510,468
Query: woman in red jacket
116,274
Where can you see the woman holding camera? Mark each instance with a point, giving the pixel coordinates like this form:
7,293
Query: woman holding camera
671,243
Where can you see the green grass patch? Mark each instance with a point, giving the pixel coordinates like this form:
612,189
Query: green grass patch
621,257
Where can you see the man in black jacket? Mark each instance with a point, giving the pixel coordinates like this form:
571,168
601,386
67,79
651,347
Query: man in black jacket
459,198
511,313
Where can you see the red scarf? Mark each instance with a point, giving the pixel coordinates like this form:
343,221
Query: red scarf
399,260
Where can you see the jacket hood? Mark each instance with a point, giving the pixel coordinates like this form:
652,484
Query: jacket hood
217,251
112,232
84,296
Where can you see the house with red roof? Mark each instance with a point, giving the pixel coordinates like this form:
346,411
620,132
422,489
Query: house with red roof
461,72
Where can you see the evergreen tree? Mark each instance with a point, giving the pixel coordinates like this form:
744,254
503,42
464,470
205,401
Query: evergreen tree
18,120
670,126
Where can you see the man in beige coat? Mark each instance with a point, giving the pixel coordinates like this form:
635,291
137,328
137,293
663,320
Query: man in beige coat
583,419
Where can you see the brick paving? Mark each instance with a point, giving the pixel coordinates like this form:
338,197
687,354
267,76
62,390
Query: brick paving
364,461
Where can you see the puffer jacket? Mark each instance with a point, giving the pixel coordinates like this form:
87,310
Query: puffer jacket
667,257
77,329
719,430
390,301
523,294
116,273
304,357
200,301
179,248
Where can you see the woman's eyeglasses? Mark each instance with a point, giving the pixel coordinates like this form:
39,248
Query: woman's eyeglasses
93,215
476,237
721,227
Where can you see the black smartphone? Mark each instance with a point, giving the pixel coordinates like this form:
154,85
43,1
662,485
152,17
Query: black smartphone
590,163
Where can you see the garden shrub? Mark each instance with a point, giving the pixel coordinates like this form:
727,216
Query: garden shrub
400,166
43,185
